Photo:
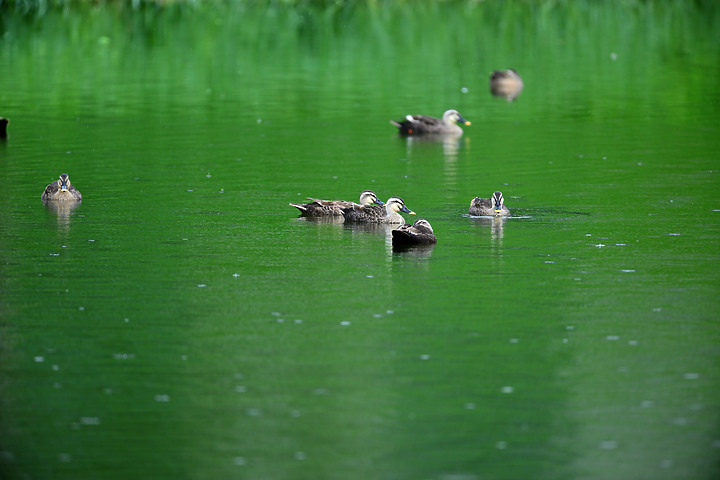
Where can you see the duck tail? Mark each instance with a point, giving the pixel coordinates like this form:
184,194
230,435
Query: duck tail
302,208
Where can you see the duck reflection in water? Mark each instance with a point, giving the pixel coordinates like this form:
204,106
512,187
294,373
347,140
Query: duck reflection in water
451,144
496,224
63,211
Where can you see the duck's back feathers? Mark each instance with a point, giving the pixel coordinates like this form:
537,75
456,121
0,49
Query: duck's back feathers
419,233
364,213
321,208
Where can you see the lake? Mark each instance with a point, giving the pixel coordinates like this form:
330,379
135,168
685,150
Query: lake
184,322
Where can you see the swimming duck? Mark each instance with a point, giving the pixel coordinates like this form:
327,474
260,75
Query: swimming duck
418,233
494,206
322,208
506,83
61,191
424,125
376,213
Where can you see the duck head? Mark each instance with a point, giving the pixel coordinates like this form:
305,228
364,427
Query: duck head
368,197
453,116
64,182
497,201
396,204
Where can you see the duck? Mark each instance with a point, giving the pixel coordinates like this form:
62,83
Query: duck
419,233
325,208
425,125
61,191
494,206
376,213
506,83
3,127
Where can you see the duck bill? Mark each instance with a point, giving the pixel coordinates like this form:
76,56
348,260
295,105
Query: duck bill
467,123
408,211
380,202
63,187
498,211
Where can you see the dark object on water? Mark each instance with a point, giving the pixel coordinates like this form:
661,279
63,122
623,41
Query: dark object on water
494,206
506,84
424,125
419,233
322,208
3,127
377,214
61,191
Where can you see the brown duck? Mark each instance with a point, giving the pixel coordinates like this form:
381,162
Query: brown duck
326,208
61,191
419,233
425,125
494,206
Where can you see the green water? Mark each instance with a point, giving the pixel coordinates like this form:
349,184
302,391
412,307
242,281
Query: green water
182,322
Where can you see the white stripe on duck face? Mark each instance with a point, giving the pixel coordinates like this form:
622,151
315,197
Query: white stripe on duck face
396,204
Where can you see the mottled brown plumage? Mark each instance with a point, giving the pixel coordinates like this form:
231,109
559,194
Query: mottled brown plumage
325,208
376,213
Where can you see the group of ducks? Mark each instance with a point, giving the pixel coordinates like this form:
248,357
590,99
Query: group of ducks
503,83
370,209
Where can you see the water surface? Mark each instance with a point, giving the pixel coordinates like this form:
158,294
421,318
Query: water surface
182,322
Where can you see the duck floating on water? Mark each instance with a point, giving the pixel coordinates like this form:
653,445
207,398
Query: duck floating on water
376,213
61,191
419,233
425,125
3,127
494,206
506,84
325,208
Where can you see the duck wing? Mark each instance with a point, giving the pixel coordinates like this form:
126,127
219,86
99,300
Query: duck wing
480,206
50,191
318,208
364,213
419,124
